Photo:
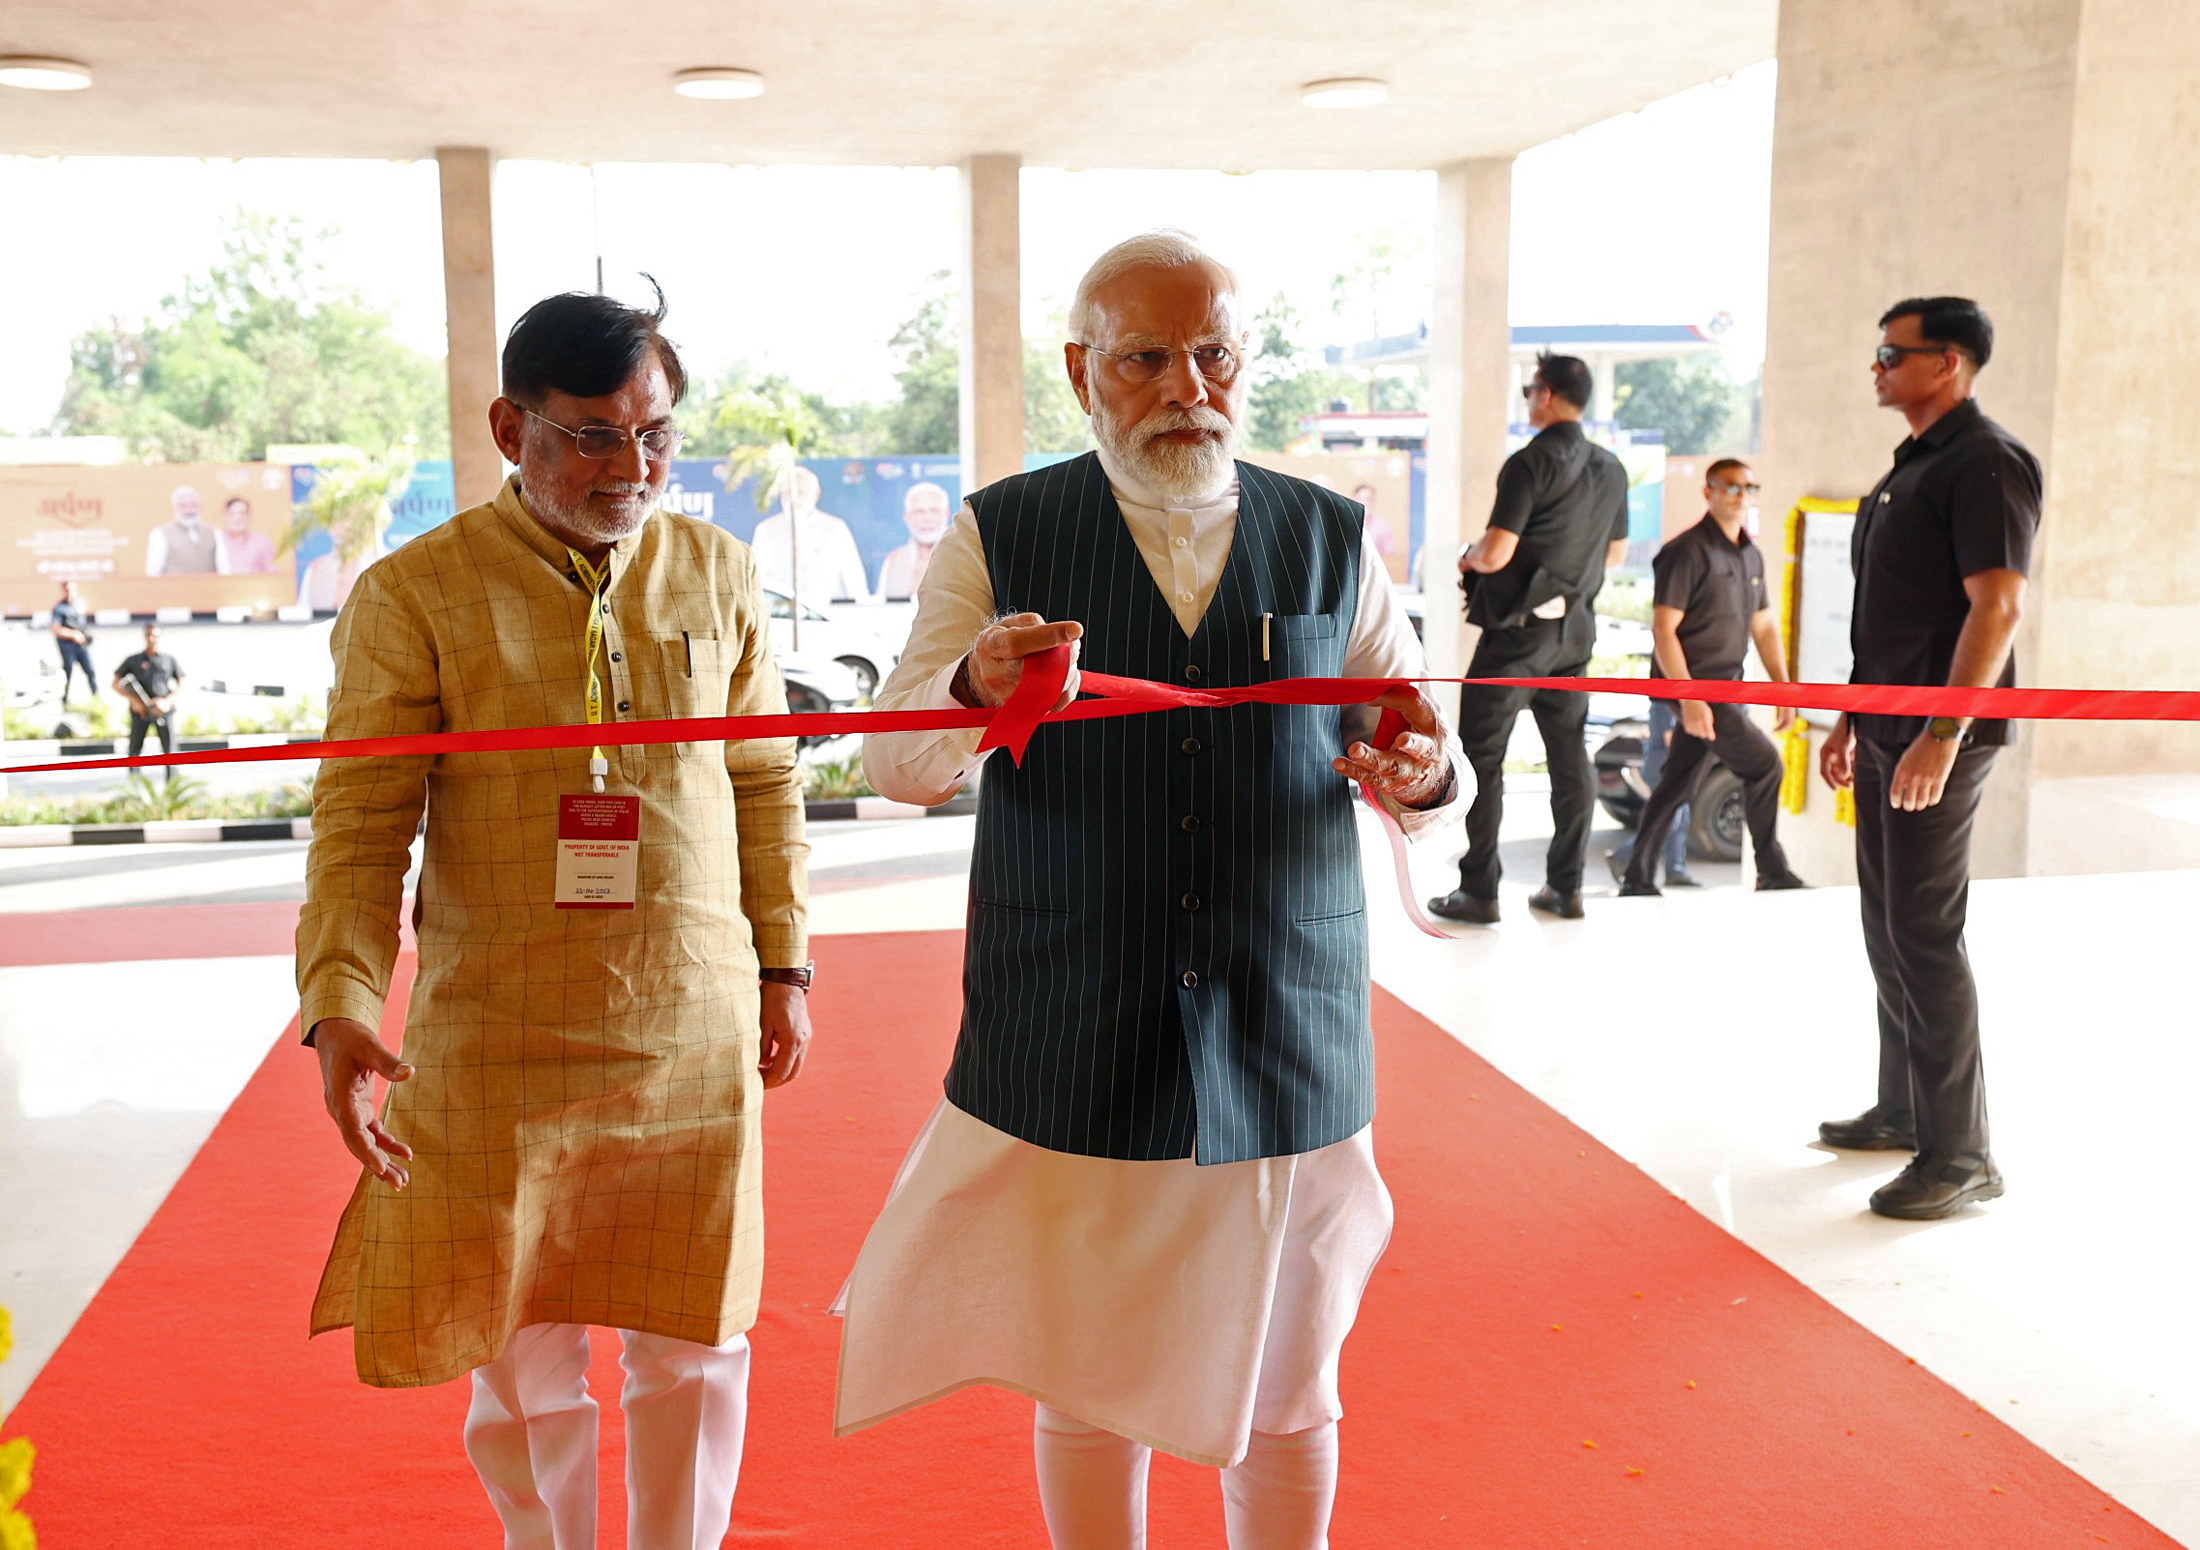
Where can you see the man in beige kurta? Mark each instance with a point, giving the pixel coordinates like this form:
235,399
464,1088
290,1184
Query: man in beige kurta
572,1136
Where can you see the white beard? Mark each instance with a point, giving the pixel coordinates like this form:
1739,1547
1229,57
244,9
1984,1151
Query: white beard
1183,470
588,521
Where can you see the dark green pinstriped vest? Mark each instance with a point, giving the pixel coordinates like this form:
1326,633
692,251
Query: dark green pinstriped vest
1167,946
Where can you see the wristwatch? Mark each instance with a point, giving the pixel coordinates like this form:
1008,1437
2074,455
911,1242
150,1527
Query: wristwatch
1945,729
798,978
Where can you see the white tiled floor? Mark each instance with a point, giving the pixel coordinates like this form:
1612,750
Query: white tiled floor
1702,1036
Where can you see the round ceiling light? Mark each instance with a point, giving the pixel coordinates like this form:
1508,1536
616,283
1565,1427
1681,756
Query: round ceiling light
1355,91
36,72
719,85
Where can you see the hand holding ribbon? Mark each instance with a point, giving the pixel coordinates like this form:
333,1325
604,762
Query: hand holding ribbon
1406,762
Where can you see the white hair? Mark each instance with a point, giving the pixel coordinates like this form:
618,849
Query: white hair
1166,248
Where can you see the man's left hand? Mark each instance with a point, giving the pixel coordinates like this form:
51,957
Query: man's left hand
1783,717
786,1033
1413,771
1922,774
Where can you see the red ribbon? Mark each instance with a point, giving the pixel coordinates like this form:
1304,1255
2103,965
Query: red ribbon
1012,725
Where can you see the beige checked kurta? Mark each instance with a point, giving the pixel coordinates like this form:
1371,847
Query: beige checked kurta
584,1105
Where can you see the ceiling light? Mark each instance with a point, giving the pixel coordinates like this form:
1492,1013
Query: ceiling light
718,85
1354,91
35,72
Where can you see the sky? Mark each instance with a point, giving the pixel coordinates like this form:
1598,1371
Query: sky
1658,216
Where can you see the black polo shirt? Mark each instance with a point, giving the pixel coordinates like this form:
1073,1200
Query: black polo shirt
70,616
156,672
1960,499
1567,498
1718,584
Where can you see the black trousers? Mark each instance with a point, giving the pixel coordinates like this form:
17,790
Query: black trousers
76,657
1915,874
1739,744
1486,717
165,726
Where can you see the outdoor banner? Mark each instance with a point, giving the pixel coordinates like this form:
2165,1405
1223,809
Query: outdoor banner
1380,481
145,536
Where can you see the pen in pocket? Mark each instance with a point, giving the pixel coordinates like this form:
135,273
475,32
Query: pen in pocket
687,645
1264,618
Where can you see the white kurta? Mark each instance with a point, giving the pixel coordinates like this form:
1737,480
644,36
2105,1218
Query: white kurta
1179,1305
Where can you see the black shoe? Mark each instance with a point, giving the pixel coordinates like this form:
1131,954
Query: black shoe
1566,906
1932,1187
1772,882
1683,879
1463,906
1874,1130
1630,889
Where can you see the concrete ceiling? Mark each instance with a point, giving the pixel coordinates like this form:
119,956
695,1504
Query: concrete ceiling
1076,83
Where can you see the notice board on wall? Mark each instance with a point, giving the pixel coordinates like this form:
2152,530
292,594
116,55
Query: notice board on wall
1824,590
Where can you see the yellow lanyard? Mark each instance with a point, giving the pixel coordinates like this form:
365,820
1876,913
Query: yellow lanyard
597,579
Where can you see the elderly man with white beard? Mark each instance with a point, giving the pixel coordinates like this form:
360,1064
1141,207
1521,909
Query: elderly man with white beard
1148,1199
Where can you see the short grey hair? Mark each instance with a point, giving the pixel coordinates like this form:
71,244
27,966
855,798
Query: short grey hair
1166,248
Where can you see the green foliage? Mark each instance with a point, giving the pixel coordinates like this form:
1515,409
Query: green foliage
1289,382
1692,399
351,502
261,348
1625,597
834,780
135,805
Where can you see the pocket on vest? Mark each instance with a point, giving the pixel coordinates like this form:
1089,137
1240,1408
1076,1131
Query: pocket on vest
1317,917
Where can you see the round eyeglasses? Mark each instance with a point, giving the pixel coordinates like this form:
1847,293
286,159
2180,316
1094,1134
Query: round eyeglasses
1215,362
601,442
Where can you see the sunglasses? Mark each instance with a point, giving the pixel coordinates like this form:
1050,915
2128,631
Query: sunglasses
1890,356
1728,487
1528,393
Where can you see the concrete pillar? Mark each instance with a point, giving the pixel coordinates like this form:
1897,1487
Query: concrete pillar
470,319
2014,151
1471,386
1604,401
991,406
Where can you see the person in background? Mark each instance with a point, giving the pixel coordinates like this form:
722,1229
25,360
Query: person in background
924,511
183,545
149,680
1559,522
1657,743
72,634
1710,603
832,568
1940,552
238,551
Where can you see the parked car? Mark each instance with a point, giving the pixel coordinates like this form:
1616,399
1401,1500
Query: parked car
815,684
1716,820
867,648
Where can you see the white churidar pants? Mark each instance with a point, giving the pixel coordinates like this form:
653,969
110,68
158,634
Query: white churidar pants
1092,1487
531,1433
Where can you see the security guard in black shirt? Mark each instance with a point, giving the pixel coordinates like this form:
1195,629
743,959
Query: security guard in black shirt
1711,602
149,680
1940,552
1531,580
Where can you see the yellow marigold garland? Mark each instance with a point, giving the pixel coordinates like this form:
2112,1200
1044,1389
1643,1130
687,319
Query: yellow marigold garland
16,1532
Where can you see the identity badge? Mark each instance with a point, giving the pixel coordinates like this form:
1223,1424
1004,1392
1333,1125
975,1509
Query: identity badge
599,841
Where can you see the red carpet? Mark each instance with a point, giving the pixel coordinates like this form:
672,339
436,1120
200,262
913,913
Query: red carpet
1540,1296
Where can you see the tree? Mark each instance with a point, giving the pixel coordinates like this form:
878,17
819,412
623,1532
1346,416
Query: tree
1287,385
261,348
1700,408
928,418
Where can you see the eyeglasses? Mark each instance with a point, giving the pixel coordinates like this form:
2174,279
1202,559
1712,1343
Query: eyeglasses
1890,356
1529,391
1215,362
1728,487
658,443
